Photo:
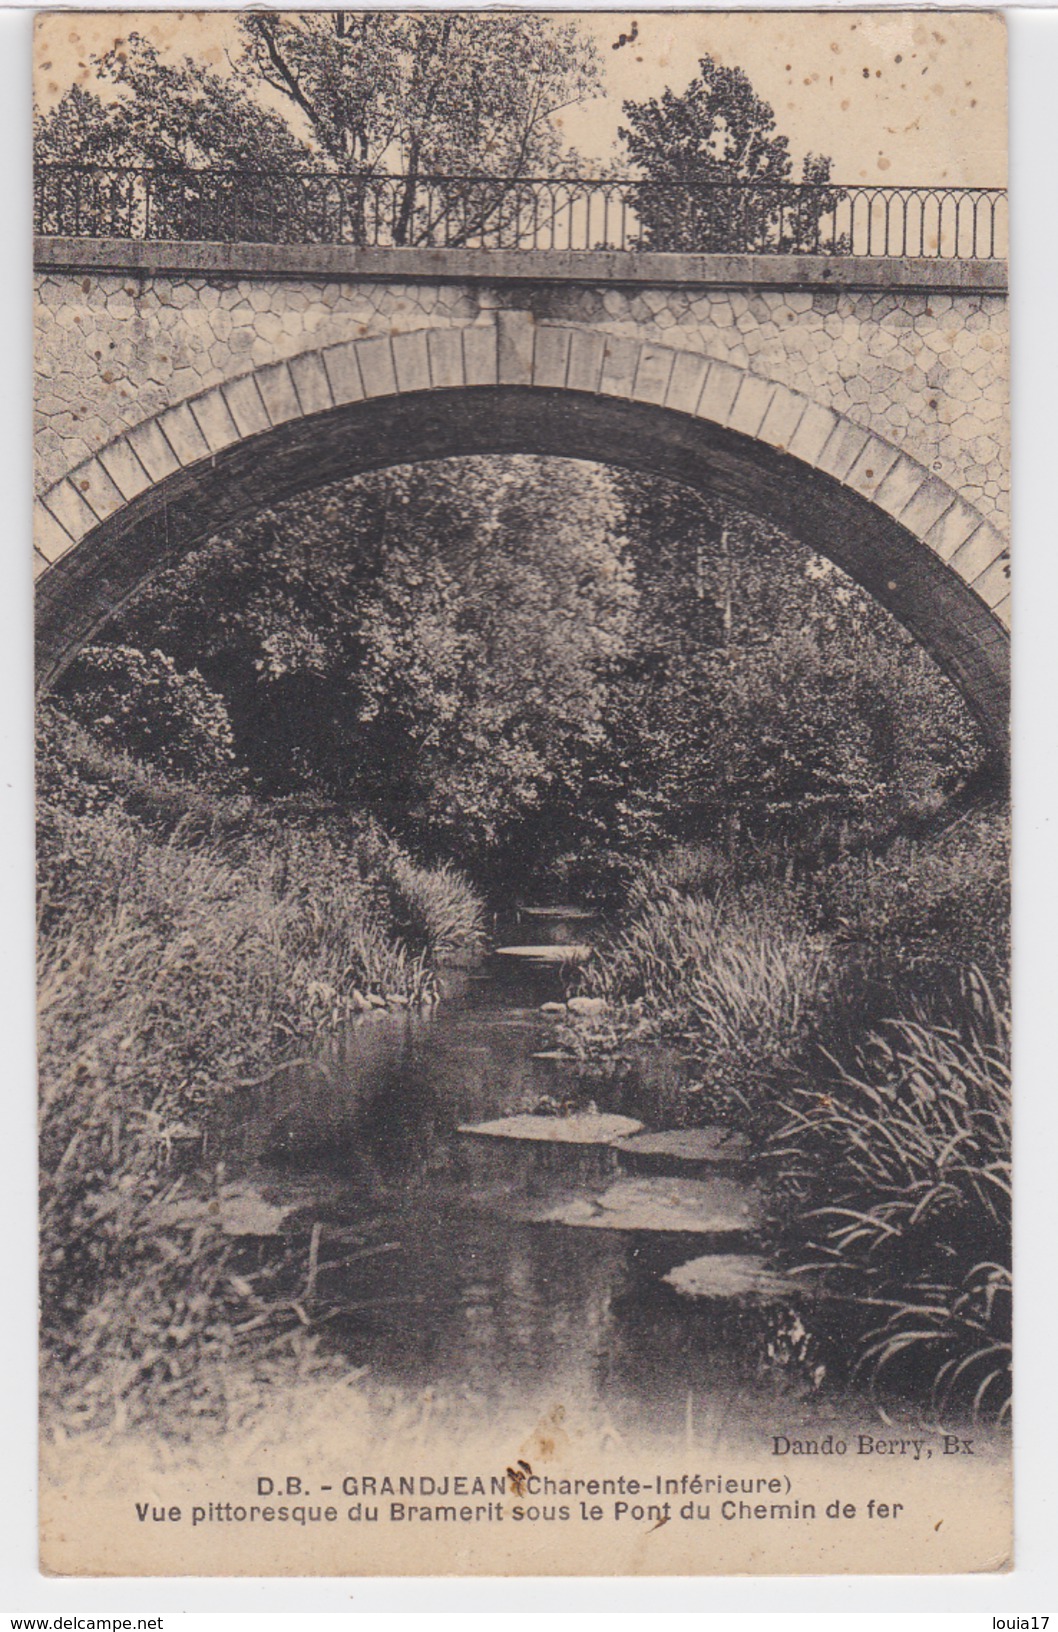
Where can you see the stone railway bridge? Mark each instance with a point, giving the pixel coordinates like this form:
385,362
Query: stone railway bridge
860,403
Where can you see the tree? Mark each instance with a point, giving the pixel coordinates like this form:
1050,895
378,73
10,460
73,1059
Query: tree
529,664
716,176
780,699
173,121
339,104
432,643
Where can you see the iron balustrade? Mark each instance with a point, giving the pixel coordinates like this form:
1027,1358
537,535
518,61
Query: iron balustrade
542,213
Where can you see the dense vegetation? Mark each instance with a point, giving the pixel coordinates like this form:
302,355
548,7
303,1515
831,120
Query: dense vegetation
283,784
190,939
855,1019
543,669
299,743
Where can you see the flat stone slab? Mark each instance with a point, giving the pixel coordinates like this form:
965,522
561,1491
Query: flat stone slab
692,1206
570,913
676,1145
573,952
589,1006
582,1128
732,1275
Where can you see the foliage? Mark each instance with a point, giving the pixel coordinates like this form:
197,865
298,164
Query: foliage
938,903
433,646
434,908
176,962
141,703
735,978
897,1173
443,93
780,702
547,671
716,176
889,1138
76,776
164,115
682,870
171,119
347,95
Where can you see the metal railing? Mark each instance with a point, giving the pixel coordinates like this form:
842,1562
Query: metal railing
543,213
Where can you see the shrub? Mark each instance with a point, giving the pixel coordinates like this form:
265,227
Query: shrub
941,901
79,775
140,703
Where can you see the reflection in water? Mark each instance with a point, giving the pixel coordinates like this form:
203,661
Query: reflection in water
466,1293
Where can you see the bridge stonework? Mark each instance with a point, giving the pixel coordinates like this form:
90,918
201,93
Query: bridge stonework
927,371
865,413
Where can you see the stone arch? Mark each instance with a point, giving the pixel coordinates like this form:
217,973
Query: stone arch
508,385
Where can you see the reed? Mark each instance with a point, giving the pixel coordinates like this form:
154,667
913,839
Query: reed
435,909
897,1176
735,977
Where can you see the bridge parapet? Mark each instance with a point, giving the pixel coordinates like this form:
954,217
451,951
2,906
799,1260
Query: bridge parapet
532,213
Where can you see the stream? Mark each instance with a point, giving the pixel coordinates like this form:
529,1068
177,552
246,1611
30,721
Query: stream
489,1266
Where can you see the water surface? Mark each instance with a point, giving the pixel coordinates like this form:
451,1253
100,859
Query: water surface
450,1284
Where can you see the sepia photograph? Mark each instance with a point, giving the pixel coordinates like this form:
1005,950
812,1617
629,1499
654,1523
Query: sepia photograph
522,585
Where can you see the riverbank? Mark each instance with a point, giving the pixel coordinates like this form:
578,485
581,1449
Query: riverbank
196,944
190,940
855,1022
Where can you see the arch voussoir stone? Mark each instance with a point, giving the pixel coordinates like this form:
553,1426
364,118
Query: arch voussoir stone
751,404
311,383
51,541
993,585
278,393
551,349
343,373
480,355
785,412
215,420
980,553
587,353
154,451
246,405
411,361
125,469
444,348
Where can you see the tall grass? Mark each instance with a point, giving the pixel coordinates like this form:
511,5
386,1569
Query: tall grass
434,908
177,959
735,977
898,1181
889,1138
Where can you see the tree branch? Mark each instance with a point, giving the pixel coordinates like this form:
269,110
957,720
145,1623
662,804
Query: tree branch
290,82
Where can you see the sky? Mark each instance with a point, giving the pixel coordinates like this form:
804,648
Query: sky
893,97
